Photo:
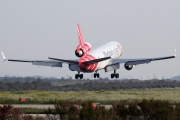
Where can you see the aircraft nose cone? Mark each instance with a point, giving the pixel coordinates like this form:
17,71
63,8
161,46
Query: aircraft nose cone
87,67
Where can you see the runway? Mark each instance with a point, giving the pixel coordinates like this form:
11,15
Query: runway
38,106
44,106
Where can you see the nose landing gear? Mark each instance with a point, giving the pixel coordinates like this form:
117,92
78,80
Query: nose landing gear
115,75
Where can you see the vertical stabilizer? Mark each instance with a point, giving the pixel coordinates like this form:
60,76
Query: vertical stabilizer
81,41
82,48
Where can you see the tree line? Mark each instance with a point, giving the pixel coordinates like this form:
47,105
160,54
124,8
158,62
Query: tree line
45,84
125,84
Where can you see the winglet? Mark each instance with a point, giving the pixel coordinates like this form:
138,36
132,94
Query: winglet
3,56
175,52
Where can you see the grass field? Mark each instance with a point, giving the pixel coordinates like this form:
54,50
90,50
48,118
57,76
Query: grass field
170,94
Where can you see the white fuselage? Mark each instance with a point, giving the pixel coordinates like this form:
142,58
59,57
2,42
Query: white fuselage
111,49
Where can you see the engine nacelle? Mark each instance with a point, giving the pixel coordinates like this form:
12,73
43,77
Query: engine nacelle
128,67
81,50
79,53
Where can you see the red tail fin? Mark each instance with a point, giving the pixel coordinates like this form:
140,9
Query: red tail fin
81,41
82,48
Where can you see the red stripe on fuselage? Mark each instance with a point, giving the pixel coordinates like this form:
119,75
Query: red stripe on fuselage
120,48
90,67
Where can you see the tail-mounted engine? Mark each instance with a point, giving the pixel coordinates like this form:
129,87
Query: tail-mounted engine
128,67
81,50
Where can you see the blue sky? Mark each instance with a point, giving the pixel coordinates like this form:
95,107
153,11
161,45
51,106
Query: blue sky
41,29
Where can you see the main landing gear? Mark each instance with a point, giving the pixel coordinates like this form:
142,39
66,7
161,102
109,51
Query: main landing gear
96,75
79,76
115,75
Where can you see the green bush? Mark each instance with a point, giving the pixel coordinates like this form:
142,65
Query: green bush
88,112
80,110
157,109
7,112
177,111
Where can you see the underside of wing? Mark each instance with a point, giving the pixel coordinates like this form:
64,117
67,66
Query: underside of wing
139,61
130,63
52,63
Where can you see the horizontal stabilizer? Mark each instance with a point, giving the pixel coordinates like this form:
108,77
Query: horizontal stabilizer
76,62
66,61
96,60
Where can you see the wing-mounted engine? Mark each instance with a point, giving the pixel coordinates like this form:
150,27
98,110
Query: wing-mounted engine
128,67
81,50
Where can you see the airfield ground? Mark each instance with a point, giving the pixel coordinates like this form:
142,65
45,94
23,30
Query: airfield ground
105,97
47,99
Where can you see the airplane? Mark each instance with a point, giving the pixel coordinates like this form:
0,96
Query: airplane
105,57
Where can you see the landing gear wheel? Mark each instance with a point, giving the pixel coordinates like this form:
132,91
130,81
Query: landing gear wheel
76,76
96,75
117,75
79,76
112,75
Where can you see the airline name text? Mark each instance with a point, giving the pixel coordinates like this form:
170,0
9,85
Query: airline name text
111,52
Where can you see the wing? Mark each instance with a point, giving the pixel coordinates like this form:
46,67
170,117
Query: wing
51,63
132,62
